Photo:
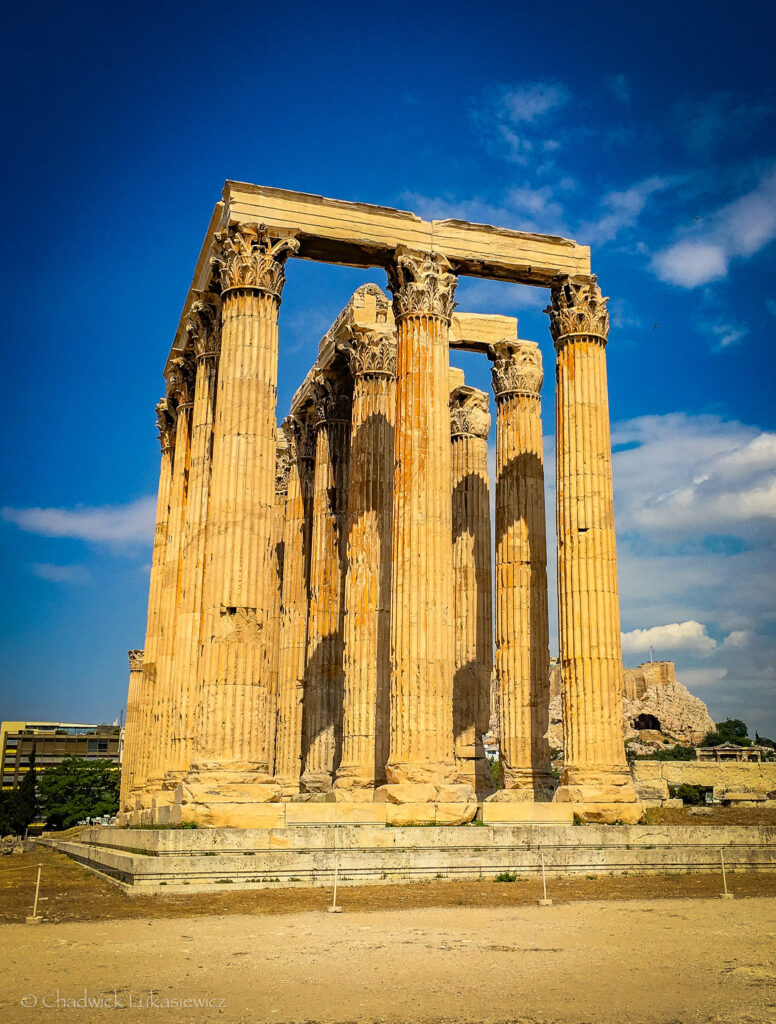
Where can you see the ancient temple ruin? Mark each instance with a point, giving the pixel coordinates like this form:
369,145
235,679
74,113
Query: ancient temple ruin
322,599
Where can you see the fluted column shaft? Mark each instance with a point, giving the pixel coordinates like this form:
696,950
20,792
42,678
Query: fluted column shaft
470,423
203,331
131,736
367,666
239,589
421,750
522,619
180,383
137,768
292,647
282,472
322,708
595,773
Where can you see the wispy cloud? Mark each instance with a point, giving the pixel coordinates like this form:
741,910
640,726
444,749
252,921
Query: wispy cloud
700,677
737,230
108,524
726,335
507,116
73,574
619,87
675,636
622,208
717,121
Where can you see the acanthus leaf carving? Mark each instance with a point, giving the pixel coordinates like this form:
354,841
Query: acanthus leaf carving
332,398
517,369
181,379
165,422
370,351
422,283
282,468
469,412
203,326
136,660
577,309
249,256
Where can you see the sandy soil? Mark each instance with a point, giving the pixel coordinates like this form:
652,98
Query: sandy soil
602,962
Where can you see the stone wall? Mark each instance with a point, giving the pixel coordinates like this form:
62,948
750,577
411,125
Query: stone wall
212,859
652,778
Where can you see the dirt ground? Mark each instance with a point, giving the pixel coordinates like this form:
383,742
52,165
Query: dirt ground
597,962
70,892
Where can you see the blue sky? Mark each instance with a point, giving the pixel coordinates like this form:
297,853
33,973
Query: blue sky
647,133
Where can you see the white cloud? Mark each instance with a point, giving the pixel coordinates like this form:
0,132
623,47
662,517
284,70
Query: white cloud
700,677
507,117
737,638
675,636
60,573
110,524
738,230
522,209
694,476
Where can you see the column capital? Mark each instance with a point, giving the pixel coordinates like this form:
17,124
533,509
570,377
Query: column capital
332,399
370,351
517,369
181,377
249,256
203,326
165,422
469,412
282,464
577,309
422,283
135,660
301,437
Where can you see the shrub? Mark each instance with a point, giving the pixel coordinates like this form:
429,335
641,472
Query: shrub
505,876
675,753
693,795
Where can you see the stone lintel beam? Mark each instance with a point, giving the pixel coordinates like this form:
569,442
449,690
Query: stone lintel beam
364,235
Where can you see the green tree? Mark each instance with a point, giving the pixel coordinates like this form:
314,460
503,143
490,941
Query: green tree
78,789
732,730
19,806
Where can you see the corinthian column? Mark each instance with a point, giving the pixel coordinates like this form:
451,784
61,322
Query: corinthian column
282,474
421,763
322,709
232,753
595,775
522,619
136,765
367,665
292,647
469,427
128,760
203,331
180,382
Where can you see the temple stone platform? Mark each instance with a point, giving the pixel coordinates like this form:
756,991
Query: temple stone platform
186,860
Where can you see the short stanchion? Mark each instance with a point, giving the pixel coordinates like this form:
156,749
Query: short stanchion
35,919
725,895
334,909
544,902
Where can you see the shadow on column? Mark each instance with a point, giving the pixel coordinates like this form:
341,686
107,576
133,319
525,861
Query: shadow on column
471,682
526,472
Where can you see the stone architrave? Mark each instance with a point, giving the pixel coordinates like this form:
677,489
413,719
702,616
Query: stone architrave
595,778
129,758
421,765
469,427
322,704
371,353
136,764
231,766
292,647
203,329
522,618
181,379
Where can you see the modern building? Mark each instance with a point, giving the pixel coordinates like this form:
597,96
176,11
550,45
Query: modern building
51,743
